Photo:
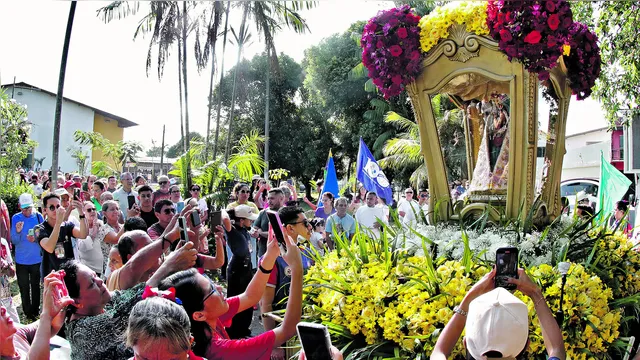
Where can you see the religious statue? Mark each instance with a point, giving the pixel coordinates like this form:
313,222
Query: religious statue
491,168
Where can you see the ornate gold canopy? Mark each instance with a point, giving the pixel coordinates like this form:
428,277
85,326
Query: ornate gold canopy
470,67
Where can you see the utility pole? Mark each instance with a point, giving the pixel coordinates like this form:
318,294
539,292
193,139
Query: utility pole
266,119
58,113
162,153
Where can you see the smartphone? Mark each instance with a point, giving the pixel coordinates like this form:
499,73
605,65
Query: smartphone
216,219
61,290
315,341
506,267
276,225
31,232
182,223
76,194
85,186
132,201
195,218
290,181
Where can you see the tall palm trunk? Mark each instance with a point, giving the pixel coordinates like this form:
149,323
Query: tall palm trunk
224,46
184,144
186,87
266,117
235,79
216,23
58,112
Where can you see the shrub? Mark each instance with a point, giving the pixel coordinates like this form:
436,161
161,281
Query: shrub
11,192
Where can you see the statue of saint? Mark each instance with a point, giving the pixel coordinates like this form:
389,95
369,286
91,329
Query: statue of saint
491,169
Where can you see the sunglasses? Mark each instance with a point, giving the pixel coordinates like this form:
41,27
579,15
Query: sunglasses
213,291
169,211
54,207
90,210
162,183
409,192
196,189
243,191
305,222
423,195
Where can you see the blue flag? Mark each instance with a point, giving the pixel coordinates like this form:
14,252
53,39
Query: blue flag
330,180
371,176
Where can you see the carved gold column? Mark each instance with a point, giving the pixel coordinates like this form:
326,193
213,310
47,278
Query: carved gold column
432,153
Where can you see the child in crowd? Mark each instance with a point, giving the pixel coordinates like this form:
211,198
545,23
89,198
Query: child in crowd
7,271
115,261
317,237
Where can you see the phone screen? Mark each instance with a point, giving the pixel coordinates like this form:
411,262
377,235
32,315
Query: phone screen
76,194
132,200
276,225
195,218
216,219
182,223
315,341
506,267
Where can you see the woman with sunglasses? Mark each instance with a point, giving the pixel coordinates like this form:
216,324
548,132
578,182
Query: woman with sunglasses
90,248
242,193
259,192
209,312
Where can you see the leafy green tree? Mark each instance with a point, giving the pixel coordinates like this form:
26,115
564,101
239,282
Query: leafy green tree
14,137
119,153
616,24
80,156
176,149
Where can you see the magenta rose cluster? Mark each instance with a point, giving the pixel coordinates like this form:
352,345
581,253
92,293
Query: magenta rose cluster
584,62
391,49
534,32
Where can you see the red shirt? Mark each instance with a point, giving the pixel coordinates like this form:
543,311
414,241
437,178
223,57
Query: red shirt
222,348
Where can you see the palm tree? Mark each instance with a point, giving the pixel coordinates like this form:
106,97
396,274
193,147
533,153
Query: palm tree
404,152
210,47
58,112
242,38
224,46
267,16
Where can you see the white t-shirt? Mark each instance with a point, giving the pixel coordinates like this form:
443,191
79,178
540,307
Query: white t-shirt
367,216
411,209
317,240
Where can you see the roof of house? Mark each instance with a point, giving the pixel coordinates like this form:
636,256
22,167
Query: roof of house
122,122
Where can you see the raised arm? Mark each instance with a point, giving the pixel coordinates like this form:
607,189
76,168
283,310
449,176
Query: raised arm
256,287
83,230
294,303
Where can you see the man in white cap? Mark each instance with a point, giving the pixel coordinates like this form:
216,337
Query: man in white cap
497,322
28,256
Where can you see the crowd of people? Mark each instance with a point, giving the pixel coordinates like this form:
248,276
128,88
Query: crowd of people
120,281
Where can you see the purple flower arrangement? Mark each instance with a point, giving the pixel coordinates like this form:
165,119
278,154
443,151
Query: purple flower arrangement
584,62
533,32
391,49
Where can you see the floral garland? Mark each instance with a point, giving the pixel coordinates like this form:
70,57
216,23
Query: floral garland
584,62
534,32
590,326
391,53
435,25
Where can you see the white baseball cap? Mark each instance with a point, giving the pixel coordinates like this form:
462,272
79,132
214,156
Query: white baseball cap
245,211
61,191
25,200
497,321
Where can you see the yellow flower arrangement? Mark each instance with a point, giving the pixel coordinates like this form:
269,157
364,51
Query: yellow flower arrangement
590,326
435,25
618,265
397,306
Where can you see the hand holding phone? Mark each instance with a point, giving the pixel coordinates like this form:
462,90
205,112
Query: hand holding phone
276,226
195,218
182,224
60,291
131,201
315,341
506,267
76,194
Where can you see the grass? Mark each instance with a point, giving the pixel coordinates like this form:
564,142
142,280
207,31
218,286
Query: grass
17,301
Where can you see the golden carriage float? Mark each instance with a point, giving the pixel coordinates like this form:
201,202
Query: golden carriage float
490,59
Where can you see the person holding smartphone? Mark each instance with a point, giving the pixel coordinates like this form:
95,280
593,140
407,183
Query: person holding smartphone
489,314
122,195
210,312
279,286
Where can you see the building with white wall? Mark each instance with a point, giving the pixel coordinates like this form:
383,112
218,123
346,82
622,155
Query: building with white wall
75,116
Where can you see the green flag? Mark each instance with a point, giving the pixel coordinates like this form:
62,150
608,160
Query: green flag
613,186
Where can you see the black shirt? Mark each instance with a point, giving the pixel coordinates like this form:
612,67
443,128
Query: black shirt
148,217
64,247
238,241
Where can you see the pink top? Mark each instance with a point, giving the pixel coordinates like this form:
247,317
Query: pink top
222,348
